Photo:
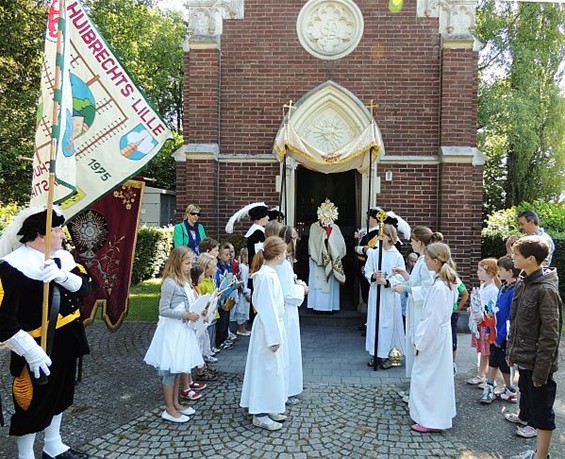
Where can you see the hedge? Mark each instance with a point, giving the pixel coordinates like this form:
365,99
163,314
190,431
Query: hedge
151,252
504,223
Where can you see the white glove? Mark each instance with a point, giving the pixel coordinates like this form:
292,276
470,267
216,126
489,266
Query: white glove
23,344
51,272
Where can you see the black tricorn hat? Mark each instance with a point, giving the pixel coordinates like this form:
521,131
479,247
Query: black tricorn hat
276,214
36,224
258,212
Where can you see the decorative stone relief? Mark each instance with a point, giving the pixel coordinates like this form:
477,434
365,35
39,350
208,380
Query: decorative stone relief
456,17
205,17
330,29
330,116
329,132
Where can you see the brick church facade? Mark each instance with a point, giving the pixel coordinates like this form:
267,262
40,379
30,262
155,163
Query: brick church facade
245,60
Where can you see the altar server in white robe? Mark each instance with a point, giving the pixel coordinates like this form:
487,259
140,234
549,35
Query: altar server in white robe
326,248
293,291
391,327
416,284
264,390
432,388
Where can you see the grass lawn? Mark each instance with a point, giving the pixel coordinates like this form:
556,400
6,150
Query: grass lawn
144,301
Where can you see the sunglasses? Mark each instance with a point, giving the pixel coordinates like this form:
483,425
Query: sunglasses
196,214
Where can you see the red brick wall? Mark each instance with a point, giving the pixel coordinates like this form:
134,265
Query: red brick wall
426,98
458,97
201,96
460,210
243,183
417,208
197,183
397,63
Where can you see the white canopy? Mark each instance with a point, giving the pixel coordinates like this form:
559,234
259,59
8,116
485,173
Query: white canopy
354,155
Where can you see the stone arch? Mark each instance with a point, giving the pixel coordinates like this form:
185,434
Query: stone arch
330,116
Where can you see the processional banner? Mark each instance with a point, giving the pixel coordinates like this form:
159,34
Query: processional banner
105,237
108,130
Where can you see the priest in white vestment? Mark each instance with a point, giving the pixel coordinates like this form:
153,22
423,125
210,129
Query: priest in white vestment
391,327
326,248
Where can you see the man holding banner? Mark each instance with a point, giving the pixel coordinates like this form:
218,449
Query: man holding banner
44,380
95,129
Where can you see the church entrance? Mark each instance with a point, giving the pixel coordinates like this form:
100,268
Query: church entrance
312,188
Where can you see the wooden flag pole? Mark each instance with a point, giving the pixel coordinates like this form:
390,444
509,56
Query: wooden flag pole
52,169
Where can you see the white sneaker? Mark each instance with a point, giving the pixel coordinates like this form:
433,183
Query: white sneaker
210,359
265,422
488,394
278,417
232,336
475,380
508,395
526,432
515,418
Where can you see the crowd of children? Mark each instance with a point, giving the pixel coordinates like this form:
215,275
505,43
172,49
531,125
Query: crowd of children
189,335
518,325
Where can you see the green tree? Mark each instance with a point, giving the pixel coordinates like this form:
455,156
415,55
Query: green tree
148,41
521,106
22,28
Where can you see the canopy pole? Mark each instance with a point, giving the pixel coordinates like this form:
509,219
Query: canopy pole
282,192
370,191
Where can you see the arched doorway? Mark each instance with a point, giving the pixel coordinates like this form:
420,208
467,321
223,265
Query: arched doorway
328,145
342,189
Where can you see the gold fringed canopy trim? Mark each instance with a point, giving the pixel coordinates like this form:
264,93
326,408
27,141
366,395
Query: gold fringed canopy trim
354,155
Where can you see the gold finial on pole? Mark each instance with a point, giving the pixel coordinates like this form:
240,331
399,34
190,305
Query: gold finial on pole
381,217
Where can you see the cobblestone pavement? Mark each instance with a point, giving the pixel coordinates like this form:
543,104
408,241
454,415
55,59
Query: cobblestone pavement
346,409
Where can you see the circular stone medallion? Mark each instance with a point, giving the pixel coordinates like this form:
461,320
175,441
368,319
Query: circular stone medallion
330,29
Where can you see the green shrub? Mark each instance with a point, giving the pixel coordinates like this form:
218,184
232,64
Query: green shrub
504,223
7,213
151,252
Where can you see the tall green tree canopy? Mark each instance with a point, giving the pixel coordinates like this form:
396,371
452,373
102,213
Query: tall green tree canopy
148,42
521,105
22,28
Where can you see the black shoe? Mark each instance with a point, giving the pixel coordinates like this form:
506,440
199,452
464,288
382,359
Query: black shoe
69,454
386,364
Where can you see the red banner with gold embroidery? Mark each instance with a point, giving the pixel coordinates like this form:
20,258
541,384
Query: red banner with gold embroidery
105,237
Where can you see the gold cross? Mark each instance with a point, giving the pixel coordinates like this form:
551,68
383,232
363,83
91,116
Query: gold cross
290,107
372,106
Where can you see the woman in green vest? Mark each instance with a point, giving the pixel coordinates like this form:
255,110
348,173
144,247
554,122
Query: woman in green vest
190,231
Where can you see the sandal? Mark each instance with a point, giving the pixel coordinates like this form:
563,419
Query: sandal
190,394
197,386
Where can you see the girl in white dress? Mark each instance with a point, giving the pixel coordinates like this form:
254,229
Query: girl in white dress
174,349
432,389
293,291
391,328
416,285
264,389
